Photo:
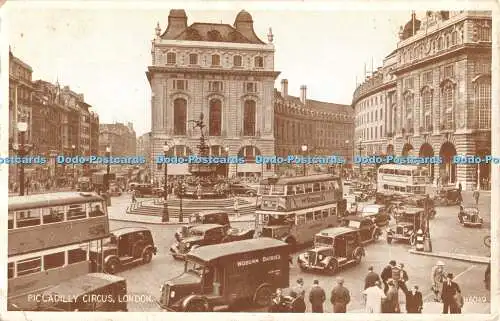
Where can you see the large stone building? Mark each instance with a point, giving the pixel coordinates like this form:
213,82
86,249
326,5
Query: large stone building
225,72
58,120
325,128
119,137
432,97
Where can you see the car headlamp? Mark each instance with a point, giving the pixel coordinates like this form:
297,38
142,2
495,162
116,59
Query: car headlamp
188,244
172,294
320,257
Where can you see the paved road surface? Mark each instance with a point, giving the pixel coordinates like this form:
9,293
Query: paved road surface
146,279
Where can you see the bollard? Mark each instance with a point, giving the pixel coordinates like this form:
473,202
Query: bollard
419,244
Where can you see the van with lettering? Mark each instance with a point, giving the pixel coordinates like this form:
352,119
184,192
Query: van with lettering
229,277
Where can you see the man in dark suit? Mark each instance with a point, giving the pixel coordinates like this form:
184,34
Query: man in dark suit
371,278
340,297
414,302
448,295
387,274
317,297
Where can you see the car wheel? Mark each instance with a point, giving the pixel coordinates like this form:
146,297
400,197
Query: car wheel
196,306
263,296
358,257
332,267
389,240
147,256
413,240
112,266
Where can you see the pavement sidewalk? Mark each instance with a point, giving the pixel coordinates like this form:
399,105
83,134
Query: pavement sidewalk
454,256
118,212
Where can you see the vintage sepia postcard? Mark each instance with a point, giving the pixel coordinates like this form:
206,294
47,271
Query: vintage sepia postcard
250,160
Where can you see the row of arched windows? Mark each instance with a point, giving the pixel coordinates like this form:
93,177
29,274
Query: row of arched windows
482,103
214,117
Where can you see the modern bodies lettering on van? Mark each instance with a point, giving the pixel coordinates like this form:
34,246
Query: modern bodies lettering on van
256,261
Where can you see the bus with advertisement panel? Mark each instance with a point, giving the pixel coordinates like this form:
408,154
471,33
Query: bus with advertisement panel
49,240
295,209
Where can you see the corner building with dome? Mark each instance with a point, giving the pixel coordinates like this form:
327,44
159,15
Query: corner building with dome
225,72
432,96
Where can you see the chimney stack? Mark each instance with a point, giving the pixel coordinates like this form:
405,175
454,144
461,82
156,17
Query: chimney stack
303,94
284,88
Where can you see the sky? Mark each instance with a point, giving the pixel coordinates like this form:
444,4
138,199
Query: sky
104,52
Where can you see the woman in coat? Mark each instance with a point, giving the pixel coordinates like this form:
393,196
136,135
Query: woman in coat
414,301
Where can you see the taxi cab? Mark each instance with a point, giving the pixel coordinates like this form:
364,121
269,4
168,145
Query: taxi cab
333,249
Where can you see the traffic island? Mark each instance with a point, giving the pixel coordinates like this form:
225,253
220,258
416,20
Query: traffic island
454,256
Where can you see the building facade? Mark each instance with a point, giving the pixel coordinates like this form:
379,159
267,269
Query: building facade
325,128
144,148
57,122
432,97
225,72
120,137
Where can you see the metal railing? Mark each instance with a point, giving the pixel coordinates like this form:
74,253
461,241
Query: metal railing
134,206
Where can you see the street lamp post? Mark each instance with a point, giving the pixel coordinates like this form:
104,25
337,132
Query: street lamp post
108,155
360,149
165,217
304,151
226,150
73,154
344,160
22,127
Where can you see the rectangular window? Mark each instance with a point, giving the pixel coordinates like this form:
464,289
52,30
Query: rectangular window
215,86
309,216
193,59
449,71
76,212
28,218
250,87
427,77
171,58
237,61
180,84
215,60
28,266
52,261
408,83
53,214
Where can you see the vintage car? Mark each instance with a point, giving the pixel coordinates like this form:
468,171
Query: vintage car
143,190
125,246
114,190
377,213
204,217
419,201
368,230
469,217
408,222
448,195
242,189
287,301
333,249
207,234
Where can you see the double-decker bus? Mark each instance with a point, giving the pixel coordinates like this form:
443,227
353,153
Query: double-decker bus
295,209
49,240
403,180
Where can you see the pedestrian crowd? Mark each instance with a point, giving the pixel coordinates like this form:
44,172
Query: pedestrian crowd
381,293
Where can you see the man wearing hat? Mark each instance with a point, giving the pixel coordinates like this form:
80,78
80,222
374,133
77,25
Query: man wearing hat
371,278
437,277
340,297
317,297
299,288
387,274
451,296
